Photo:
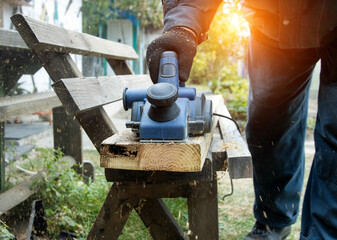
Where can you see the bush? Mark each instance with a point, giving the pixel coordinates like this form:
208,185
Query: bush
70,204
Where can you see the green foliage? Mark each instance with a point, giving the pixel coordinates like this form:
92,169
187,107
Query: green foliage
70,204
311,123
4,233
148,12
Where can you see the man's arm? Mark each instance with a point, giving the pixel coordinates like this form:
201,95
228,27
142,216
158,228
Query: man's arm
185,25
196,15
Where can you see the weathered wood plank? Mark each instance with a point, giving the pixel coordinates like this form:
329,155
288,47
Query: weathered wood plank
17,194
113,175
47,37
82,94
24,190
15,58
216,160
239,157
112,217
120,67
27,104
124,151
2,157
11,39
159,220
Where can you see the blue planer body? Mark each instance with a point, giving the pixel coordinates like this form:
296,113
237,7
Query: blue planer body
167,111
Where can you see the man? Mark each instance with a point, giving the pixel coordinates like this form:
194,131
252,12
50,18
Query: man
287,39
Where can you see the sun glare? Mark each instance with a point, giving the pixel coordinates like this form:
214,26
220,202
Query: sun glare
237,21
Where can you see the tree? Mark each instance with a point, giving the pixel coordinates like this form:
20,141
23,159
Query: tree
95,12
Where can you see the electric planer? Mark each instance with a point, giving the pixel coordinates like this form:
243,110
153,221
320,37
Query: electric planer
167,111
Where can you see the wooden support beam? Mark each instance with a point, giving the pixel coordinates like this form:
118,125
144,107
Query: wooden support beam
27,104
83,94
2,157
158,220
11,39
119,67
203,211
239,158
42,36
24,190
112,217
16,59
1,15
124,151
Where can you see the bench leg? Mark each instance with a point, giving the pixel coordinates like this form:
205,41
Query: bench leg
2,157
112,217
203,212
67,135
158,219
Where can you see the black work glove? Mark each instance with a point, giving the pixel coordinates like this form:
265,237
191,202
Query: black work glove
180,40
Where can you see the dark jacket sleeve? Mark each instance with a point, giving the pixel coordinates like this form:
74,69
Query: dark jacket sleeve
196,15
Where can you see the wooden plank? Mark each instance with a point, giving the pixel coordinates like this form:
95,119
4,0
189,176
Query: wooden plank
1,15
67,135
47,37
203,212
16,59
27,104
112,217
113,175
97,125
239,157
18,2
120,67
159,220
216,160
125,190
124,151
24,190
11,39
17,194
82,94
2,157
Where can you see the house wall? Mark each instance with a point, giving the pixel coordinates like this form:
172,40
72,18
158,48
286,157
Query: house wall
51,11
120,30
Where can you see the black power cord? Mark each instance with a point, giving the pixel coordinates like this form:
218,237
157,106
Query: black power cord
231,180
236,124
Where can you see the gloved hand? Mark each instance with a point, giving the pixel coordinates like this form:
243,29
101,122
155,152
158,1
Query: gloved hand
177,39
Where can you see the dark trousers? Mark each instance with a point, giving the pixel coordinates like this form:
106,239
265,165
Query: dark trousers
276,128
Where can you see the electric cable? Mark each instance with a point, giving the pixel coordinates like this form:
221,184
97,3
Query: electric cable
236,124
231,180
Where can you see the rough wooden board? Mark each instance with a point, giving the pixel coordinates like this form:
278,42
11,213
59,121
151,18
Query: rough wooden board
203,212
216,160
112,217
27,104
158,219
11,39
124,151
82,94
239,158
47,37
120,67
24,190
